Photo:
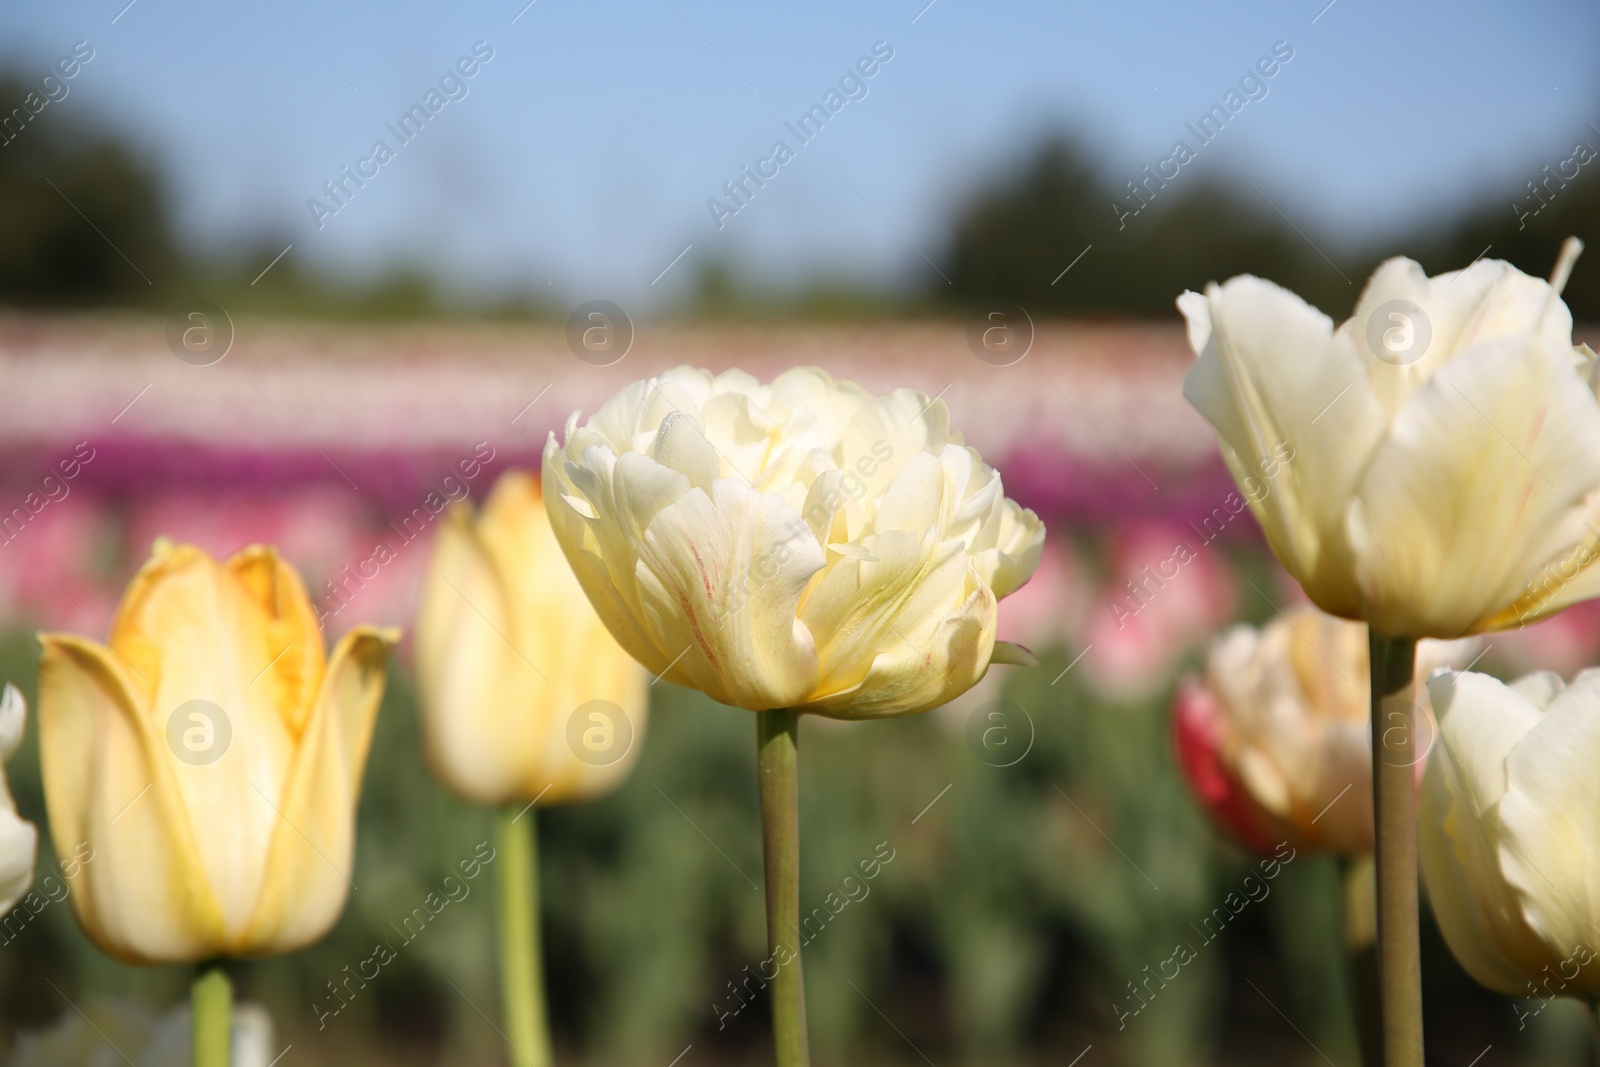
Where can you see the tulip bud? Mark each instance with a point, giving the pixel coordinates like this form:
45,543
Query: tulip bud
524,693
1275,740
210,755
1507,840
19,839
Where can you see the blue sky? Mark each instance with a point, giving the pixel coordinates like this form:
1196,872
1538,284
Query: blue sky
586,149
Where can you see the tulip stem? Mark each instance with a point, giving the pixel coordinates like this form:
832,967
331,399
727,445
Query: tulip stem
777,765
527,1031
1394,804
211,1016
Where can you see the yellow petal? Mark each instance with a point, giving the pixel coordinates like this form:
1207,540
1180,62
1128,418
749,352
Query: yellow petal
309,866
215,647
478,683
603,552
109,786
1484,477
548,612
909,628
296,668
720,577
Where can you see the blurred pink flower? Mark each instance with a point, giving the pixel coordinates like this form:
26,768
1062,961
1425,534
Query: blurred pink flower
1167,589
317,529
1048,610
60,569
1564,643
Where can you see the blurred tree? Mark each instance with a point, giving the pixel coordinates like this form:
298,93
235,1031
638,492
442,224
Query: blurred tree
81,218
1012,240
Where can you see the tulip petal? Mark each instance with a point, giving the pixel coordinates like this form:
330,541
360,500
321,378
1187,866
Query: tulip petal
19,839
909,628
603,553
108,780
292,630
547,611
495,729
1295,417
13,723
1485,474
1551,853
888,432
475,670
1460,840
720,577
19,847
829,403
1199,734
1019,546
311,856
1451,313
216,647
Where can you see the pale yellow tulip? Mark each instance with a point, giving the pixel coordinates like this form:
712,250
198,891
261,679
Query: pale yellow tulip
212,757
1434,462
801,545
524,692
1509,845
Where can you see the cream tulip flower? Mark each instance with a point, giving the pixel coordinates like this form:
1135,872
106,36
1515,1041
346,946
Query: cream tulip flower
1509,845
1275,740
1445,442
19,839
510,654
801,545
212,757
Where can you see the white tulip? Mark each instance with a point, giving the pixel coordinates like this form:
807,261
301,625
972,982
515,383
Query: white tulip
802,544
19,839
1275,736
1442,445
1509,846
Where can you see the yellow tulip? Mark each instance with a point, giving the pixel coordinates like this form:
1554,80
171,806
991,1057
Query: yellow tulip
802,544
211,755
524,693
1509,847
1431,465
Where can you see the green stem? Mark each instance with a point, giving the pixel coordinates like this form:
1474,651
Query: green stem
211,1008
1361,954
521,965
1594,1015
1394,805
777,765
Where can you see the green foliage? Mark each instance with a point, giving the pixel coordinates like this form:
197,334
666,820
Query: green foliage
1006,923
